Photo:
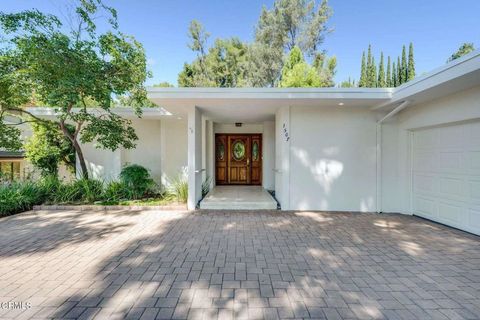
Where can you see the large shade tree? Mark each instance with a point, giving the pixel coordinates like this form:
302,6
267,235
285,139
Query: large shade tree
71,67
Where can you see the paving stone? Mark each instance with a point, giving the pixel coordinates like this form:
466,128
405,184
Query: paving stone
217,264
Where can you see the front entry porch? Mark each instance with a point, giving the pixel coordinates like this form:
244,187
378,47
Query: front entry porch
238,198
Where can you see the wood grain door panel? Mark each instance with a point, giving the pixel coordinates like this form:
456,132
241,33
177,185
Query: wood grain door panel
238,159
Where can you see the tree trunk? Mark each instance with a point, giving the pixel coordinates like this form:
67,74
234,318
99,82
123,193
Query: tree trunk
81,159
76,146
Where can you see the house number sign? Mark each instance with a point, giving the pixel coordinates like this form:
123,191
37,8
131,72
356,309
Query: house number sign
285,132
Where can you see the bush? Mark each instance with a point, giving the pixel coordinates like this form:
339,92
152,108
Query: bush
138,180
116,191
178,188
20,196
79,191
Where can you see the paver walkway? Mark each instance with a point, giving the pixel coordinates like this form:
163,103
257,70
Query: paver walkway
255,265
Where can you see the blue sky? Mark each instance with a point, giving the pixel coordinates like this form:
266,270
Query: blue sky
436,27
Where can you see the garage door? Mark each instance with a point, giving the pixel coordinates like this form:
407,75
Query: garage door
446,175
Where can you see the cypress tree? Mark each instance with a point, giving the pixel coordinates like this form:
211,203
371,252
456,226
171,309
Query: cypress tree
363,73
374,73
381,83
411,63
394,75
404,68
389,73
399,72
369,82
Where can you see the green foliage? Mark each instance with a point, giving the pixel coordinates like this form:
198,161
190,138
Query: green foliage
347,84
464,49
224,65
388,80
48,147
363,72
78,191
206,186
19,196
178,188
298,73
116,191
74,69
232,63
381,83
9,137
411,63
163,84
137,179
374,76
403,67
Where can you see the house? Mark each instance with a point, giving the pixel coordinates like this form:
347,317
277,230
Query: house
414,149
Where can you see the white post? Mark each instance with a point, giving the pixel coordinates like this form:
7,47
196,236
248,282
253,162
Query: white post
194,157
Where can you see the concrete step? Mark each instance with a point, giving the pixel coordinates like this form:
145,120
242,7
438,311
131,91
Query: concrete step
238,198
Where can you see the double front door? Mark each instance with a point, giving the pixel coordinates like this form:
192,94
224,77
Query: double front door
238,159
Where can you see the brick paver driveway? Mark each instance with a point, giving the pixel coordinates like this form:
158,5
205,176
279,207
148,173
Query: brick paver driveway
251,265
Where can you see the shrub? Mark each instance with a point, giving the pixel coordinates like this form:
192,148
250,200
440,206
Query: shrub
19,196
116,191
138,180
206,186
79,191
178,188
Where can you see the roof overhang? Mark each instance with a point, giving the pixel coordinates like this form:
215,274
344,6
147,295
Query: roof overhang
257,104
125,112
456,76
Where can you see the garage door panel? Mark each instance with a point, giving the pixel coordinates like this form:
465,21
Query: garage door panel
425,184
451,137
446,175
450,162
474,218
426,161
473,161
474,190
452,187
450,213
425,207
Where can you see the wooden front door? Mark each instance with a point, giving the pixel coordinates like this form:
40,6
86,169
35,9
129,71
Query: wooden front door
238,159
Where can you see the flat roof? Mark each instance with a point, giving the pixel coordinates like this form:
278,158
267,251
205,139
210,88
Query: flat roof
457,75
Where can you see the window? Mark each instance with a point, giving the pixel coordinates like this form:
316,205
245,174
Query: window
10,170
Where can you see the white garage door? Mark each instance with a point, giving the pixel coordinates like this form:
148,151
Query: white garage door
446,175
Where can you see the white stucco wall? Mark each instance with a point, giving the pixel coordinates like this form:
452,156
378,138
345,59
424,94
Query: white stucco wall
396,153
282,157
174,148
161,148
333,159
148,147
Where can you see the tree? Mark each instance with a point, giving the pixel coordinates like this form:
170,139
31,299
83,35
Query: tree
399,72
394,76
464,49
67,69
363,72
47,148
297,73
371,69
223,65
381,73
389,82
411,63
403,67
163,84
347,84
287,24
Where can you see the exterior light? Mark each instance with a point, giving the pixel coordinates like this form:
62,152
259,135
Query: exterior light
341,104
